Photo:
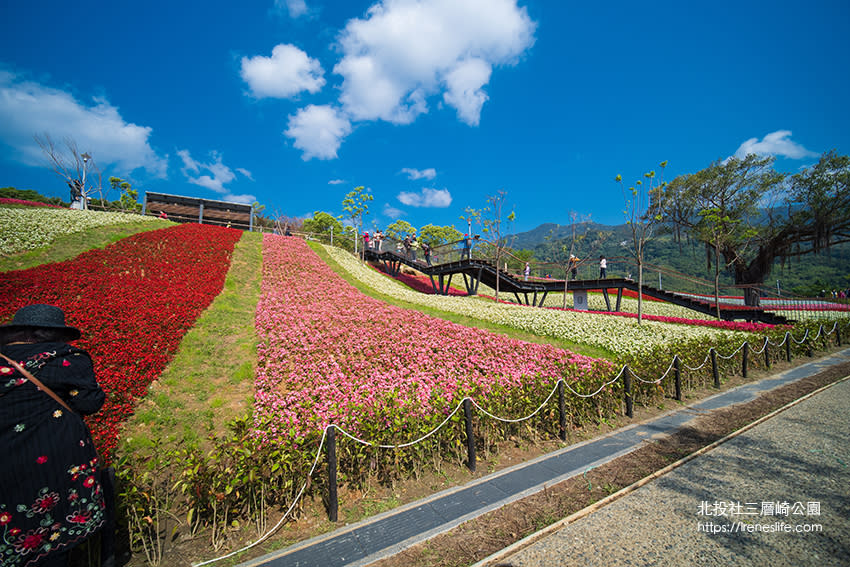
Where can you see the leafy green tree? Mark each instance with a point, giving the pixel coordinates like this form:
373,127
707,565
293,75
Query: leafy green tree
128,199
399,229
29,195
780,217
323,223
717,230
356,204
645,203
434,235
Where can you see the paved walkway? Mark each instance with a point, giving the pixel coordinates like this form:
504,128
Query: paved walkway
790,474
386,534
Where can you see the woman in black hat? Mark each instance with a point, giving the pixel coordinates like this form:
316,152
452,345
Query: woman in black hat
50,495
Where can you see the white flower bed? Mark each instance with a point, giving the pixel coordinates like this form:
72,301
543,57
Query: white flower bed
619,335
28,228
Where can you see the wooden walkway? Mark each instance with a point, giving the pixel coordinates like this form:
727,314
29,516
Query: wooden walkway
475,271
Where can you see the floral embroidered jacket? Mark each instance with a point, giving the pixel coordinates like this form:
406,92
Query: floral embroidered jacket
50,496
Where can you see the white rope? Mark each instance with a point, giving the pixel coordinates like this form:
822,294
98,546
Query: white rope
660,379
280,522
602,387
401,446
784,339
529,416
764,346
734,353
700,367
801,341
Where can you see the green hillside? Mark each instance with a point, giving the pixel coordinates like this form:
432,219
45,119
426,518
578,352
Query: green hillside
805,275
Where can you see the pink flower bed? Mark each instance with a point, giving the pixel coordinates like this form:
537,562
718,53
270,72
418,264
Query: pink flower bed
329,354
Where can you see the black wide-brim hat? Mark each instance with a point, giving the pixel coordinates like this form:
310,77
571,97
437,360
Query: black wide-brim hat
40,316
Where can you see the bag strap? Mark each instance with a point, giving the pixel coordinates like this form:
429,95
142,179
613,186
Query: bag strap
37,382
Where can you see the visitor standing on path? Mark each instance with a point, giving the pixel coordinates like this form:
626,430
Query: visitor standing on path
573,266
406,242
527,271
603,267
51,499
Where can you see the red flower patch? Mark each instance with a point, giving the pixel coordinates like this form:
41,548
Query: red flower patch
134,300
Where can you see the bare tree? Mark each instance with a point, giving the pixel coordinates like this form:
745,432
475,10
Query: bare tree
644,206
579,242
490,219
78,170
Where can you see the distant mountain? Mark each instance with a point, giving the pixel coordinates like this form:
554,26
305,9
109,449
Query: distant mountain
551,232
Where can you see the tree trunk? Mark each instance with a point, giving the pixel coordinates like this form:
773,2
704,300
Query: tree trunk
497,273
566,285
717,280
640,292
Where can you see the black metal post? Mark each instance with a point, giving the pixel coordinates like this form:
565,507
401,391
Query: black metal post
627,386
838,335
562,413
746,360
788,346
766,353
677,374
470,440
714,370
333,498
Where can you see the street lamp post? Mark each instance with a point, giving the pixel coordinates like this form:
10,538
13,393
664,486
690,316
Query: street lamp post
86,157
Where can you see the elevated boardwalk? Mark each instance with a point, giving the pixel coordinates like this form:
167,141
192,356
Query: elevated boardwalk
476,271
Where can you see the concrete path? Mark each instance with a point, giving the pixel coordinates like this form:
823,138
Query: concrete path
777,494
372,539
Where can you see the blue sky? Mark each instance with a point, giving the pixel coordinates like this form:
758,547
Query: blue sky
433,105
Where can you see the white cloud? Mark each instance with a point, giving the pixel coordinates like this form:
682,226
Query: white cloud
216,177
318,131
295,8
774,144
28,108
392,212
283,75
465,91
404,51
245,172
336,182
438,198
414,174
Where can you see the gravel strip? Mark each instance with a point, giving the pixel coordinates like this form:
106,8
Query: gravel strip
801,455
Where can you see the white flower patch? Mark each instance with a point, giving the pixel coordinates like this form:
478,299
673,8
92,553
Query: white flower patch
28,228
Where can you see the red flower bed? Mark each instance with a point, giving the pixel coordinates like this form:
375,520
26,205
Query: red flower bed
4,201
133,301
421,284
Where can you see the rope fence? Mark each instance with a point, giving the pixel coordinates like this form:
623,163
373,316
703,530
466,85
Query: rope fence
328,439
